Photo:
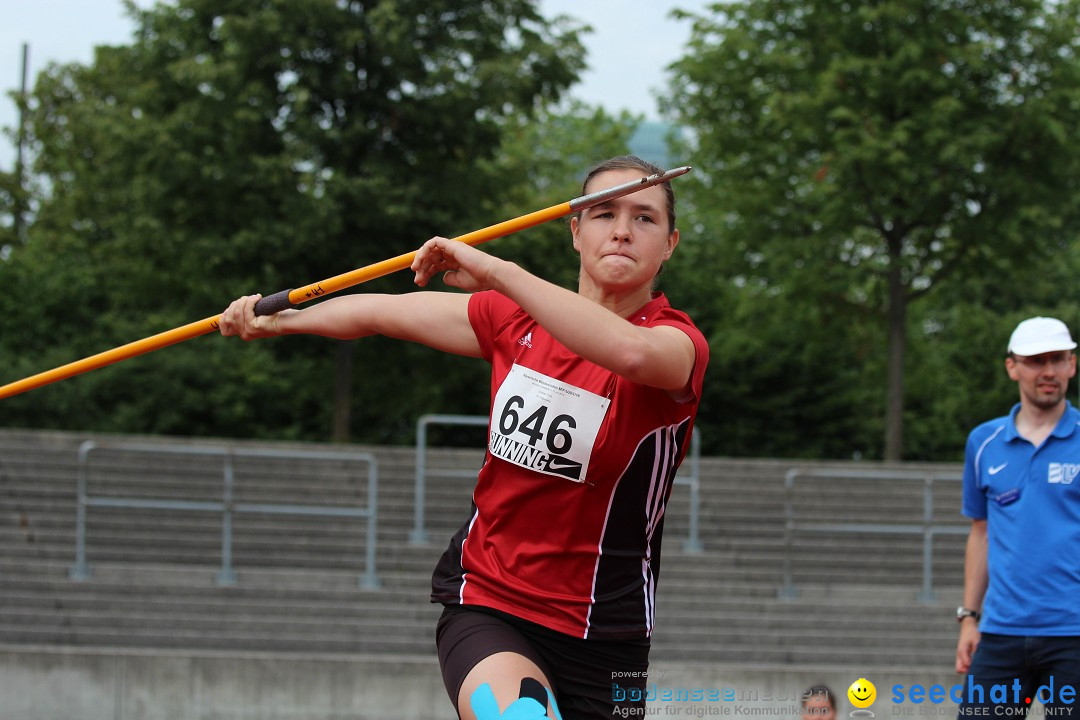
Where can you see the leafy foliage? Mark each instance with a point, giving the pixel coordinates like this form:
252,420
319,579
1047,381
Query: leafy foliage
863,173
854,156
239,146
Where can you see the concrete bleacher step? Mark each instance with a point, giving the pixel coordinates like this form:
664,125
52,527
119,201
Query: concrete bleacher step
228,631
391,642
153,574
811,656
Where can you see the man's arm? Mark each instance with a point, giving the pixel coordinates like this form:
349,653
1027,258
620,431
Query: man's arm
976,578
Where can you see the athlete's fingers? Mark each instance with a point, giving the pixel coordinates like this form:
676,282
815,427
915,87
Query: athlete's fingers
426,252
231,322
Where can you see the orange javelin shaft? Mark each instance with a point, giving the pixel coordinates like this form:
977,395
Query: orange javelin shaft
385,267
290,298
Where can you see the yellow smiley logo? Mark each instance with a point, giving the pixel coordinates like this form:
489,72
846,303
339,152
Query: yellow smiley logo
862,693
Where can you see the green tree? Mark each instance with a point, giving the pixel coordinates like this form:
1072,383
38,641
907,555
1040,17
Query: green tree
9,190
238,146
958,340
853,155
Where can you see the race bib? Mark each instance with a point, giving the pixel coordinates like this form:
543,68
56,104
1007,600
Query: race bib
545,425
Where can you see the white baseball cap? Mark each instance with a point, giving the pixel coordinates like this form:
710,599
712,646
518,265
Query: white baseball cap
1039,335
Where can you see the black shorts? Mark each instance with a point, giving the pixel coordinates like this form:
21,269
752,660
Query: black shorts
589,677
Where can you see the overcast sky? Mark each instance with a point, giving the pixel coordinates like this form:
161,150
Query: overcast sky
631,44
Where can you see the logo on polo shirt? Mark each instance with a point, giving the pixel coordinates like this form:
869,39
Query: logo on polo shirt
1062,473
526,341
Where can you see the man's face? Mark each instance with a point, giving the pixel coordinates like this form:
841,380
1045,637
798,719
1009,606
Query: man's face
1043,379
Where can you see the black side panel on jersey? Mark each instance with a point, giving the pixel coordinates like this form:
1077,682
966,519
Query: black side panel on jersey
446,579
625,584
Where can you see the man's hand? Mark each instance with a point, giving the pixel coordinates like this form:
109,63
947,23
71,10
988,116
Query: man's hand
965,646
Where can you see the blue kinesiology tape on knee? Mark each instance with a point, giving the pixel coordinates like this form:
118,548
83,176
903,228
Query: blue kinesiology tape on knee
485,707
554,707
532,688
483,703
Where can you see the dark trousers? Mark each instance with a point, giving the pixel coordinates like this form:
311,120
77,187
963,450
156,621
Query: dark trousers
1009,673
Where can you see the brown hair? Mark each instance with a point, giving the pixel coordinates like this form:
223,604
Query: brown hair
633,162
818,691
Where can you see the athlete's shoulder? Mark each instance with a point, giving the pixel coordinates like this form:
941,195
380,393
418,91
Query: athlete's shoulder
659,311
492,301
659,306
493,310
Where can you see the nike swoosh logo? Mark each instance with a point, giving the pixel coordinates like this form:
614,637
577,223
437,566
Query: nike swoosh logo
561,466
996,470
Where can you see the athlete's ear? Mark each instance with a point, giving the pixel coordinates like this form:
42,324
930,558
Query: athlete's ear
672,243
575,224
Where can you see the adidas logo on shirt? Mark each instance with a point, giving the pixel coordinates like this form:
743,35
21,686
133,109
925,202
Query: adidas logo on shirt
526,341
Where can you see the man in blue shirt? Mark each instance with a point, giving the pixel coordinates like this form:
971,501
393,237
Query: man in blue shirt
1020,621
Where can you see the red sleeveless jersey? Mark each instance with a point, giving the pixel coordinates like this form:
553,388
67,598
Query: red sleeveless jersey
568,510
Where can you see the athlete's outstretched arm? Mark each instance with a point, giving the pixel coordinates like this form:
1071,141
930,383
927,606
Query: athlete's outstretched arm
438,320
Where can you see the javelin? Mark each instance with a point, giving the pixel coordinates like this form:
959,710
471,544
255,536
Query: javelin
291,298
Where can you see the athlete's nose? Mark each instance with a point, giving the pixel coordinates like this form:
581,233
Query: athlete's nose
621,231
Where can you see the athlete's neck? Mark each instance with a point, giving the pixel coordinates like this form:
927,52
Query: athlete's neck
622,304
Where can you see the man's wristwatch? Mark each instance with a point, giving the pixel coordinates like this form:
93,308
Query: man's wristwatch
963,612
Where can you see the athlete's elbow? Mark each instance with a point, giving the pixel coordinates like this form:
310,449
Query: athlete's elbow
646,369
631,360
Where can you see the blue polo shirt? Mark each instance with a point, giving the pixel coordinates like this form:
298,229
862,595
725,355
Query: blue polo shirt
1030,499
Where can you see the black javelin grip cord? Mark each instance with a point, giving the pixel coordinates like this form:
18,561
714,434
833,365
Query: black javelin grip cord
291,298
286,299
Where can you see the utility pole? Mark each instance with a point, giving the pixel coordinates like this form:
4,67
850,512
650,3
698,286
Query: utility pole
20,142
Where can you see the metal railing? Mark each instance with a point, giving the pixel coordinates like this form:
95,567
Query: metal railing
419,535
928,528
692,543
227,506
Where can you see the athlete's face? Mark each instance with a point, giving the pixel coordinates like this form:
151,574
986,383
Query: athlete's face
1043,379
623,242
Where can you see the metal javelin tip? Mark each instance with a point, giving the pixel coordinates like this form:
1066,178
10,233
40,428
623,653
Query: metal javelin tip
587,201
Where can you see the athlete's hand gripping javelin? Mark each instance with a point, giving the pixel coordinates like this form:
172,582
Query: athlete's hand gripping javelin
464,266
